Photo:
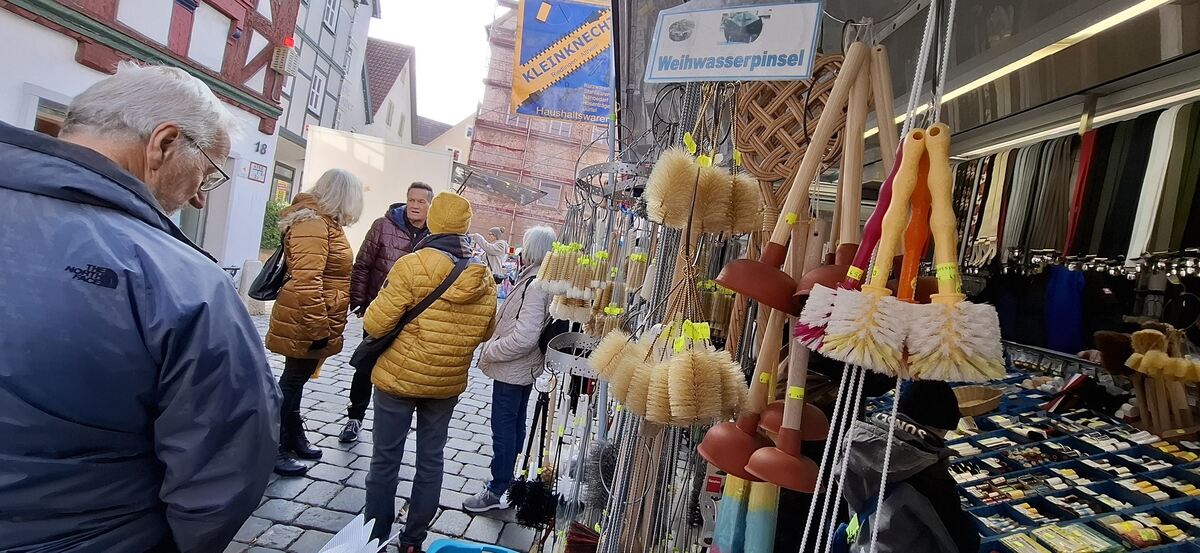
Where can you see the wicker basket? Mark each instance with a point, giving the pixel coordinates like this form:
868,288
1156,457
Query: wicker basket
977,400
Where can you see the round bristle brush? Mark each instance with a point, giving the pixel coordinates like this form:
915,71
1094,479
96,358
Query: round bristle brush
624,365
639,388
734,391
668,188
745,205
716,188
682,374
707,381
602,360
658,397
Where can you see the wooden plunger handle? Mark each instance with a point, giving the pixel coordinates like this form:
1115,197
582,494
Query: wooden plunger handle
797,197
768,360
941,221
895,219
916,237
885,114
852,158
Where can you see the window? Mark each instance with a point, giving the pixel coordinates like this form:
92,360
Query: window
598,132
284,176
391,109
560,128
330,17
553,195
470,131
287,85
454,152
400,126
50,117
516,120
316,93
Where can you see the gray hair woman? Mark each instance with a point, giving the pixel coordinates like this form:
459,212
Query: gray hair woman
310,312
513,359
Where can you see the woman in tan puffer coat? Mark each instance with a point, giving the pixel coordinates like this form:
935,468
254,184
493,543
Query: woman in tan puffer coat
310,312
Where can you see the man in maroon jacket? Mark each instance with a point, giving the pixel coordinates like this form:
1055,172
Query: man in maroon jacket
391,237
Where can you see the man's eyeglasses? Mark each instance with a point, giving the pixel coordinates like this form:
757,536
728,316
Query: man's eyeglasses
211,181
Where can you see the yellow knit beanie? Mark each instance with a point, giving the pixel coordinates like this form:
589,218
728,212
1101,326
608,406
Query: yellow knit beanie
449,214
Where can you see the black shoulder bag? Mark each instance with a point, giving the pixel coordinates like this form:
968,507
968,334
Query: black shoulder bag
367,353
553,327
274,274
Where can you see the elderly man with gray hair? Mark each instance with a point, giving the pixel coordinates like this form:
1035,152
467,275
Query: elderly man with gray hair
137,409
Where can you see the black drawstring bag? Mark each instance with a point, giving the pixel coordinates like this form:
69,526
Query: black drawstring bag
531,494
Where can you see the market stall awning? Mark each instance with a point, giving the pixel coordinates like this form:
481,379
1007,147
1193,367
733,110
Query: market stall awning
465,176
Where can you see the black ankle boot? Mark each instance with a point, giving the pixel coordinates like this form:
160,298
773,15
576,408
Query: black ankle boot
287,466
293,440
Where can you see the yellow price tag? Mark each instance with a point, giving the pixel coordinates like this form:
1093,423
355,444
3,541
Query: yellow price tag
792,218
854,273
947,271
601,255
689,142
737,157
596,528
764,378
795,392
680,344
704,160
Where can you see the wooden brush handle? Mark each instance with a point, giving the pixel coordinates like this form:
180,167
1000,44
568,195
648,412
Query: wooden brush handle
852,158
896,217
885,114
797,197
793,397
871,230
941,221
916,237
768,360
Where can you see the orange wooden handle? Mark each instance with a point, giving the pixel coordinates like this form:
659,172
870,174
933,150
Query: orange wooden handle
797,197
793,397
895,219
941,221
768,361
916,237
885,113
852,159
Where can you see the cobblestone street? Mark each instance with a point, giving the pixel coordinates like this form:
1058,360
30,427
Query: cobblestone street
301,514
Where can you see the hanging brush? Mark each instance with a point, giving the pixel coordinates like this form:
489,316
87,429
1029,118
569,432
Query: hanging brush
916,237
810,327
867,328
532,496
950,339
745,205
667,187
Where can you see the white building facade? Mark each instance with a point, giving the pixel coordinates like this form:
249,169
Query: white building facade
226,43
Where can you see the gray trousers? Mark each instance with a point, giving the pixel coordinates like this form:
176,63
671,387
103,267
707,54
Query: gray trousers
393,418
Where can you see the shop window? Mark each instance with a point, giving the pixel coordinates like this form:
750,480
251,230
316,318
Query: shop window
316,93
553,195
330,17
50,117
282,183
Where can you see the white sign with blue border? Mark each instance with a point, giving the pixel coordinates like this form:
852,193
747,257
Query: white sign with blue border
755,42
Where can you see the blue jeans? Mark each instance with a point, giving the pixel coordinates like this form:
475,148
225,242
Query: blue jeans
393,418
510,412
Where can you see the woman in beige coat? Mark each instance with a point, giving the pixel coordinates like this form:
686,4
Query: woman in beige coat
310,312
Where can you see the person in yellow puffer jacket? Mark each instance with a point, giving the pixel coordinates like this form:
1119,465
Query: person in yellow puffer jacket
425,369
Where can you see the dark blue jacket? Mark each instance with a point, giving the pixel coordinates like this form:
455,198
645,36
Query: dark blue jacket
137,409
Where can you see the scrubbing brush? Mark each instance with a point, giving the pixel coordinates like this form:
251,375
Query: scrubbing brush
639,388
950,339
716,187
867,328
745,205
658,398
611,352
692,379
668,188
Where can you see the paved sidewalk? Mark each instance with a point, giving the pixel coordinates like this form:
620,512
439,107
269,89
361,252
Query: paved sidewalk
301,514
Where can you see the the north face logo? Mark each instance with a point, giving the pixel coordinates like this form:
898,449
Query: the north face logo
100,276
